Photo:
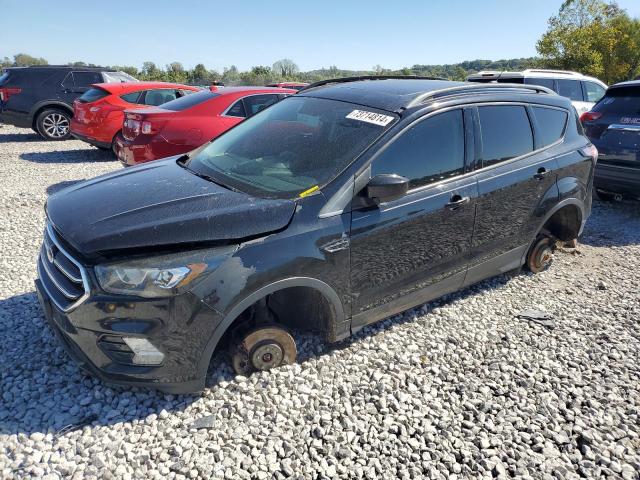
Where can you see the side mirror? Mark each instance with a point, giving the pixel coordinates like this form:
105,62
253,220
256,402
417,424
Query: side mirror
386,187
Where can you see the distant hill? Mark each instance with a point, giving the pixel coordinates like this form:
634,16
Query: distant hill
454,71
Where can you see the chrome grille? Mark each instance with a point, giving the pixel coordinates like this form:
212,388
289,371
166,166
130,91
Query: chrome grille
63,278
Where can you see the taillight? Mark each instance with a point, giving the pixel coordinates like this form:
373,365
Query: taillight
590,116
7,92
590,151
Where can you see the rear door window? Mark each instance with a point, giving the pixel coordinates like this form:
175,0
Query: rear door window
551,123
505,132
429,151
592,91
158,97
256,103
570,89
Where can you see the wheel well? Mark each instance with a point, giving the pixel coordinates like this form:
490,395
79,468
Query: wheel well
53,106
299,308
565,223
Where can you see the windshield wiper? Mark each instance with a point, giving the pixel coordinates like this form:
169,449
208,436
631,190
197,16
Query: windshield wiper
212,180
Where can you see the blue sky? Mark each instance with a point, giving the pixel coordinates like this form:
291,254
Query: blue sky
349,34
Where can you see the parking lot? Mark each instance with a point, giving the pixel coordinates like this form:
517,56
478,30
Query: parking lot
457,388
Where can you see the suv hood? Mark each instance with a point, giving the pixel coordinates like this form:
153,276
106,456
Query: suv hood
155,205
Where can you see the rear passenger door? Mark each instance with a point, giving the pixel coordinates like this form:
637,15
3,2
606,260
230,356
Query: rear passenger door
516,182
75,84
412,249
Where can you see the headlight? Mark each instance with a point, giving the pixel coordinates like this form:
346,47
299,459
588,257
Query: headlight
164,276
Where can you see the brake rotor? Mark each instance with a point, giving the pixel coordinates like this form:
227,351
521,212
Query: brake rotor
264,348
541,255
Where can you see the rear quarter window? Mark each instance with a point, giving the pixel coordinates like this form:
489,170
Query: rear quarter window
131,97
570,89
551,124
4,77
188,101
541,82
506,133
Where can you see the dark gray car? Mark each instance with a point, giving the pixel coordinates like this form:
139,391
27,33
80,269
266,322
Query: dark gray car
42,97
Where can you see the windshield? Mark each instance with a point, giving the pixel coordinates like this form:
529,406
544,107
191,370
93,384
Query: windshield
293,147
118,77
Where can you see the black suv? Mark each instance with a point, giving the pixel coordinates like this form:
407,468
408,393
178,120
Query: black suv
613,125
42,97
334,208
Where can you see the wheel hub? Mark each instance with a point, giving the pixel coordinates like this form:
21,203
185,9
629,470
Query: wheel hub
266,356
56,125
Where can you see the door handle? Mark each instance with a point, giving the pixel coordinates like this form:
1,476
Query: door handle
542,172
457,201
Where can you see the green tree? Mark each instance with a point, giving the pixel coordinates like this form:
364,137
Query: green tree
24,60
594,38
150,72
230,75
285,67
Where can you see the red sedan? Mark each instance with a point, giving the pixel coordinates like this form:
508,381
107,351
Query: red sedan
98,114
186,123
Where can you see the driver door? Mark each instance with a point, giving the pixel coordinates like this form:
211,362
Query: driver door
414,248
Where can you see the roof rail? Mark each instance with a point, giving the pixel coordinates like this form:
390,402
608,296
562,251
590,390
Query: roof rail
368,77
545,70
77,67
479,88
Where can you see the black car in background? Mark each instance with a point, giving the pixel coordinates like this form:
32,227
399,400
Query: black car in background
613,125
330,210
41,97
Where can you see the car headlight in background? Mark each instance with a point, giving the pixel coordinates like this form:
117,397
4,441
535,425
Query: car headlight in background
163,276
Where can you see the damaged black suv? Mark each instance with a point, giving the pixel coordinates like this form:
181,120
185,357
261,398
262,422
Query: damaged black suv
344,204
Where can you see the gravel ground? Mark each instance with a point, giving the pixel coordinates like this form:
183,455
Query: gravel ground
459,388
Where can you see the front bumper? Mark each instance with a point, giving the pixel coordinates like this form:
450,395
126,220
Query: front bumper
617,179
179,327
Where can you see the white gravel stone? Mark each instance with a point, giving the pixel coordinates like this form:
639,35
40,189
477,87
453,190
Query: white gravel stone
457,388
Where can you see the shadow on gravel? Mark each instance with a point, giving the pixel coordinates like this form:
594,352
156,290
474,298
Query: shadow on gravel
56,187
613,224
89,155
20,137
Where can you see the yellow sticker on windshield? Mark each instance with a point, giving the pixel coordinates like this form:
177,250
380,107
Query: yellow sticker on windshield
309,191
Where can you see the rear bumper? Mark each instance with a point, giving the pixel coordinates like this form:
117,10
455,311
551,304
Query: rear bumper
22,120
91,141
142,150
617,179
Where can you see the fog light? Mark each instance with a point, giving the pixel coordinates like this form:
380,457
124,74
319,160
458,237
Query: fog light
144,353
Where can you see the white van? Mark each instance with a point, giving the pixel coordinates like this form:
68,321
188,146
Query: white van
583,91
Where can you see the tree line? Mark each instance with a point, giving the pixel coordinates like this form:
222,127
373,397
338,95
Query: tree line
594,37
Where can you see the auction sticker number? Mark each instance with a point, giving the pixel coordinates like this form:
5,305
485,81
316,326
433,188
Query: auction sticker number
370,117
